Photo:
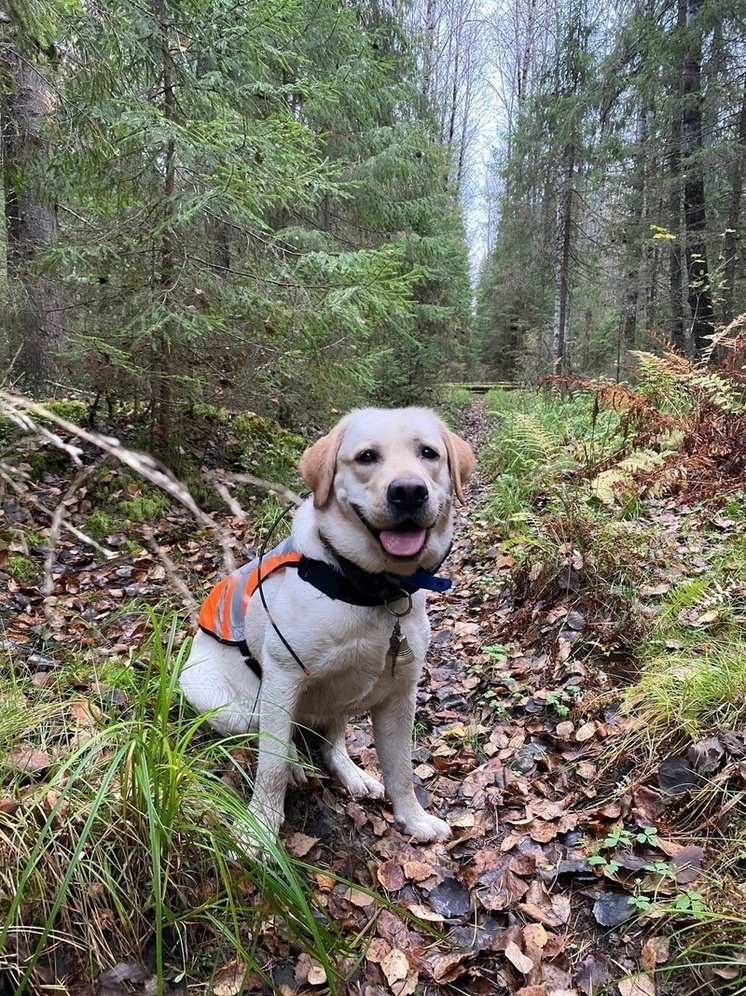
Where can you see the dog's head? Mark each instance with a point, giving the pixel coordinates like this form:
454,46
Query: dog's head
383,485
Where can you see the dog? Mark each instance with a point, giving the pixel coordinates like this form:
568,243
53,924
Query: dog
332,622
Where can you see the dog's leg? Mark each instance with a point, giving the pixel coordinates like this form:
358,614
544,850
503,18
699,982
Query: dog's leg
277,708
334,751
393,721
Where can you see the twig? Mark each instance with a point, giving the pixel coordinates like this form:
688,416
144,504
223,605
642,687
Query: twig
271,486
58,520
190,601
7,476
228,498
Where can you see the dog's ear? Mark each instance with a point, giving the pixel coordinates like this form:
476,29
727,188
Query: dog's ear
318,464
460,459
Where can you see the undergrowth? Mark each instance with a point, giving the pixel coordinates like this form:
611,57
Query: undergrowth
627,505
117,843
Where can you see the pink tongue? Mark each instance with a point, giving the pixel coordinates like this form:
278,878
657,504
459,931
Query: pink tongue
405,543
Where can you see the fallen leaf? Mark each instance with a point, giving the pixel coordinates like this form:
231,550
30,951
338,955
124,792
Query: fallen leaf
395,966
586,732
450,899
33,762
299,844
358,898
612,908
637,985
655,951
229,980
449,966
377,950
517,958
417,871
425,913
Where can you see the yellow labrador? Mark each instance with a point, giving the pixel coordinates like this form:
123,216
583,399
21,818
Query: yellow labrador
347,630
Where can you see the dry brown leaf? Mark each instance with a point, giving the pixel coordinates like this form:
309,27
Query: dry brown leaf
377,950
449,966
535,940
637,985
417,871
358,898
228,980
391,875
517,958
34,762
542,832
655,951
316,974
464,820
299,844
586,732
425,913
552,911
395,966
83,712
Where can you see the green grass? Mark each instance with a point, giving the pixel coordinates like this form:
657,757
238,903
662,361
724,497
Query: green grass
694,691
121,850
538,440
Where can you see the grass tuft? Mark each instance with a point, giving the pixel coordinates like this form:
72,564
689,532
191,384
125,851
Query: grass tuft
123,847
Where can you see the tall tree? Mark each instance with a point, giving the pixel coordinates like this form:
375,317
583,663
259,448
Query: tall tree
27,112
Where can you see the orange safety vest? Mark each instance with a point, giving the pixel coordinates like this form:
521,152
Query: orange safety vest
222,614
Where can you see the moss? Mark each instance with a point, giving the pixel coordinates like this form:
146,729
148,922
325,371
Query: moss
22,568
99,525
131,548
145,508
267,449
9,431
76,412
245,441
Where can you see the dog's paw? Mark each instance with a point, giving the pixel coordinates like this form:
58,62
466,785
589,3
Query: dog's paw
424,828
358,783
297,775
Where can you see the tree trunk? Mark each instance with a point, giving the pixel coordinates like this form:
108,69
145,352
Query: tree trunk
162,400
634,234
561,324
700,294
31,220
732,240
675,277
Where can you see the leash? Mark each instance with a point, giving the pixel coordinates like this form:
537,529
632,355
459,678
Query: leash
260,585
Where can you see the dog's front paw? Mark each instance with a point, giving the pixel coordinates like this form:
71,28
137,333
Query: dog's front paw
424,828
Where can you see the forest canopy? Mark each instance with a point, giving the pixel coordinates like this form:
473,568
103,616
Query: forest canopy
296,207
241,204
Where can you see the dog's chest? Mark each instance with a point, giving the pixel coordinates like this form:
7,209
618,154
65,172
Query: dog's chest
342,646
348,665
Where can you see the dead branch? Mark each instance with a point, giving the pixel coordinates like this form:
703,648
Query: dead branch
22,409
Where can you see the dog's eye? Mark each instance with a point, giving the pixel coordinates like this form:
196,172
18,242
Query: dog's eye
367,456
428,453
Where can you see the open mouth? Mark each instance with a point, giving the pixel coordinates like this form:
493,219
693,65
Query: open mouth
404,540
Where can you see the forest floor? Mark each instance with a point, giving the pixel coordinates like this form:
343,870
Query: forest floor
520,744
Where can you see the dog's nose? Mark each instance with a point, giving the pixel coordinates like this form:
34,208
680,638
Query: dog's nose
407,493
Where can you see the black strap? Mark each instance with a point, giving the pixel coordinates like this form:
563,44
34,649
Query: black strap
349,583
354,586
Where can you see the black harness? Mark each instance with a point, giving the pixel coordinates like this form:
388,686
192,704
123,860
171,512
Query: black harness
349,583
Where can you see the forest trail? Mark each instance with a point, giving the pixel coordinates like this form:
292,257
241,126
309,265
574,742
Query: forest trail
519,746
